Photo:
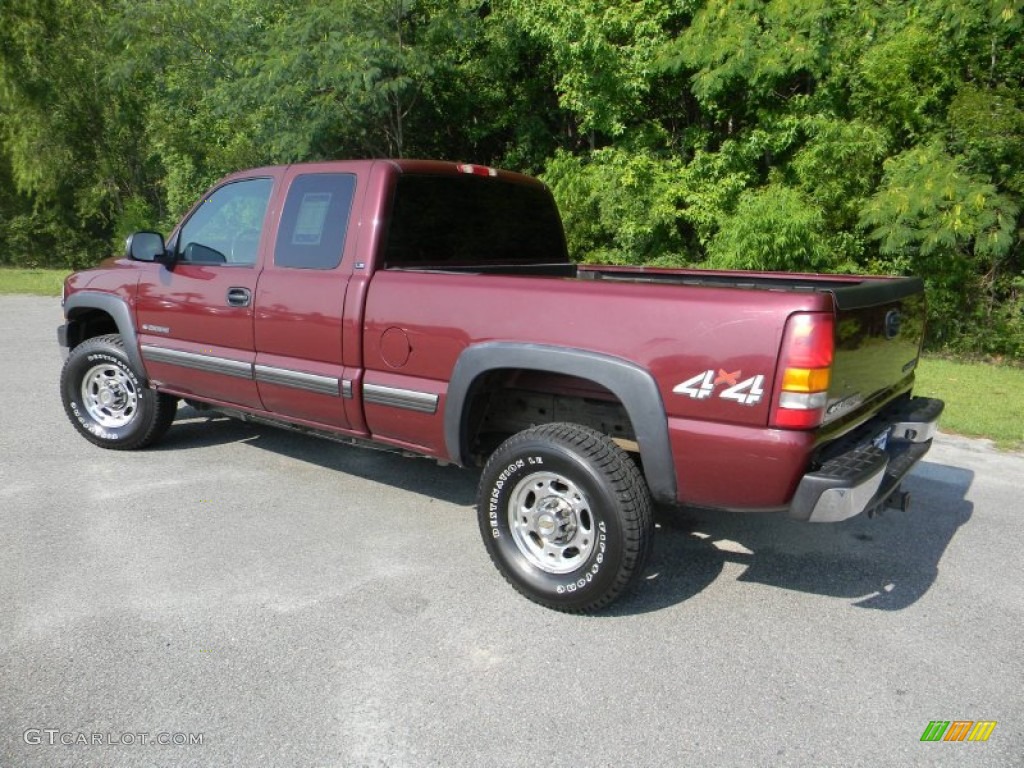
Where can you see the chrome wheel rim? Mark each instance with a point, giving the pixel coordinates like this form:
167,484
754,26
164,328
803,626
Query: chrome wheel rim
551,522
109,396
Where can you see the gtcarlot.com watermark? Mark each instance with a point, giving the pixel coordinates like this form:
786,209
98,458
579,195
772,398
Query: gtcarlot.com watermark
54,736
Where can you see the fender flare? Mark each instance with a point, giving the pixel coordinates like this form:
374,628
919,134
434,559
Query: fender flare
632,385
119,310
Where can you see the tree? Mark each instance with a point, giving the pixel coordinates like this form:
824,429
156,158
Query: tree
603,52
832,135
70,137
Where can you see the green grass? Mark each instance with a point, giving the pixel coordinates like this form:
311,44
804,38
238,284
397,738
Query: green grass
38,282
982,399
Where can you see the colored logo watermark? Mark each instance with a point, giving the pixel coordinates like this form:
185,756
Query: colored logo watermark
958,730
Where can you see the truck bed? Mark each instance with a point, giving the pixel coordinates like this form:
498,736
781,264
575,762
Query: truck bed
879,320
850,291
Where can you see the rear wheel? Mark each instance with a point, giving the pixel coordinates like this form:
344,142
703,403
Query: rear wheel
105,400
566,516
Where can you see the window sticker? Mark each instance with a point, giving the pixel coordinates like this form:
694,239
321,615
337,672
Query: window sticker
309,224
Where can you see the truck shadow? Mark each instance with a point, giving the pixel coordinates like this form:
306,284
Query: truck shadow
193,430
886,563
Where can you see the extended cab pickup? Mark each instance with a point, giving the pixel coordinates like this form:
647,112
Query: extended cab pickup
432,308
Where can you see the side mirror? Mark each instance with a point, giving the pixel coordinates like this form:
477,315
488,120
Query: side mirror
146,246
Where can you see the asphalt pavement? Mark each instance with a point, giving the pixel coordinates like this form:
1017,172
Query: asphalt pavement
255,597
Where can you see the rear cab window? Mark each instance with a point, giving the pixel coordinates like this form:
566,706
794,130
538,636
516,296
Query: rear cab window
462,221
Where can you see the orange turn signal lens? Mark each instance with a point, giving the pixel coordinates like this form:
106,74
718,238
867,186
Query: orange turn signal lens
806,379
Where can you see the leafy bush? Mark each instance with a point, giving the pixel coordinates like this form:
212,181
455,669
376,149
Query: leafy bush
807,134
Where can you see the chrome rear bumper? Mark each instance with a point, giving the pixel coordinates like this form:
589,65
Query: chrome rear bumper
863,477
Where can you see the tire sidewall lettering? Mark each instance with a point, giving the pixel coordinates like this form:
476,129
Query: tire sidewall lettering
93,357
589,575
494,497
76,370
593,565
90,425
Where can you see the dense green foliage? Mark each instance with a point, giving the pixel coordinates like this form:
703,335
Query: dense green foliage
821,135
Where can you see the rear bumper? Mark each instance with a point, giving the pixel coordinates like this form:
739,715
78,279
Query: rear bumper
864,475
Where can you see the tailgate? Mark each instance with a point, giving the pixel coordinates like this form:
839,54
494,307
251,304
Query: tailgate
879,328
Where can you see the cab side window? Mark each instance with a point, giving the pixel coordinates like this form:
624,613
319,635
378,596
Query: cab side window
314,221
226,227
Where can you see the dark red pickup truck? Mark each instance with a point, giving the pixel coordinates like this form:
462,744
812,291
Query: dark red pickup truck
431,307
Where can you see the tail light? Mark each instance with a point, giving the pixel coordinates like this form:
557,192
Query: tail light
805,371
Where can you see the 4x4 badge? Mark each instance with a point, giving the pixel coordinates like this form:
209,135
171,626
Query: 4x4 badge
702,386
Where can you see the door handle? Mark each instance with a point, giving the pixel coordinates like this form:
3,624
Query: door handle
239,297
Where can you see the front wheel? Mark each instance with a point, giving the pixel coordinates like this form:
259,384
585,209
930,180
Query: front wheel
105,400
566,516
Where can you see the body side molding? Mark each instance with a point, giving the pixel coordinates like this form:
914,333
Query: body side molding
209,363
286,377
634,387
409,399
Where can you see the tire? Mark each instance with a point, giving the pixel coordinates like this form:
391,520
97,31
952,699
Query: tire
565,516
105,400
